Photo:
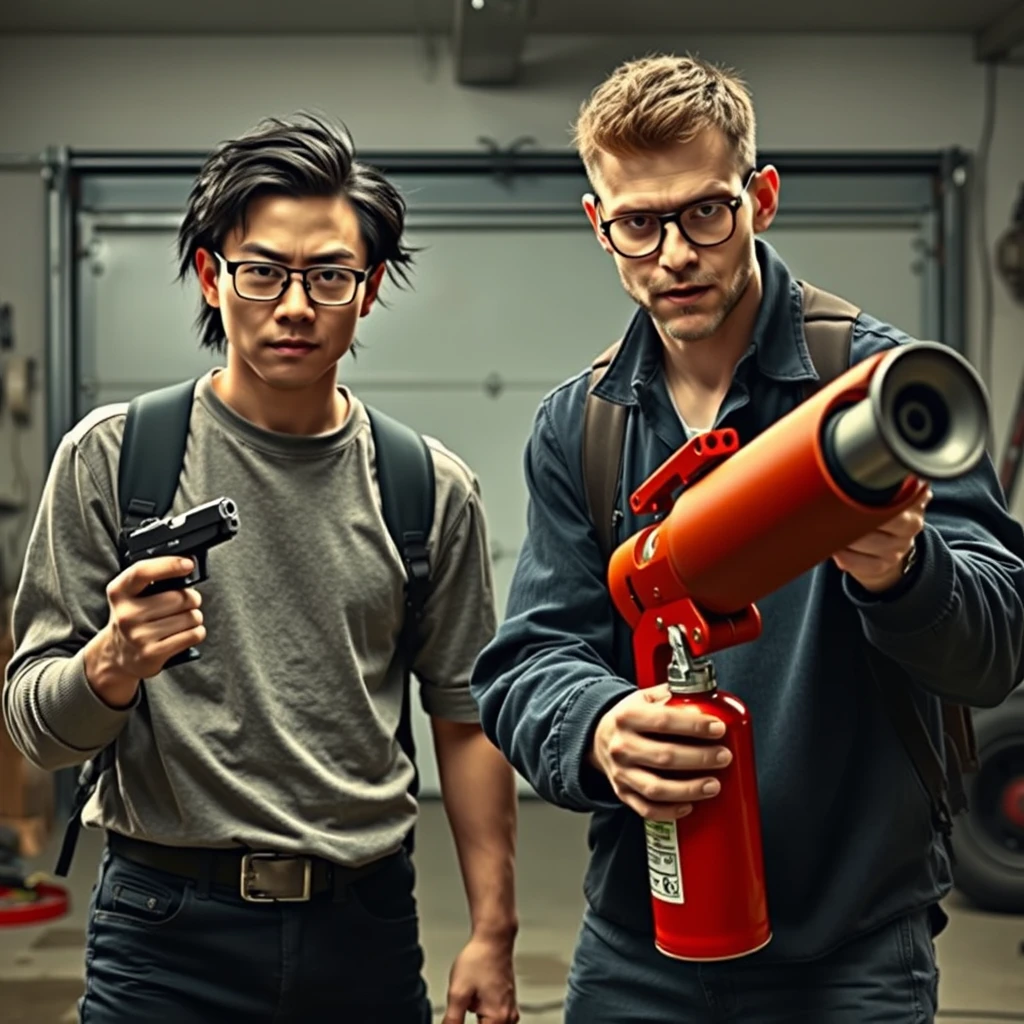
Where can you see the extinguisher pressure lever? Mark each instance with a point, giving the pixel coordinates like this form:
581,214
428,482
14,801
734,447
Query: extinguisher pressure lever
682,468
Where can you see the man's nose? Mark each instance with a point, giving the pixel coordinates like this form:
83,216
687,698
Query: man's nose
676,252
295,302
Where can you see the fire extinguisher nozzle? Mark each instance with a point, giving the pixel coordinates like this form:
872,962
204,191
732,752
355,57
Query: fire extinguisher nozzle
926,414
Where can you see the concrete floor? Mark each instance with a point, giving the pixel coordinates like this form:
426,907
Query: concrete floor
980,955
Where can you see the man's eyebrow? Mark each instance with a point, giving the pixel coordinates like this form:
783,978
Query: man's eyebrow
716,191
332,256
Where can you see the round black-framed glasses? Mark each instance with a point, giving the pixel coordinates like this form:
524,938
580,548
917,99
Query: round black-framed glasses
704,223
263,281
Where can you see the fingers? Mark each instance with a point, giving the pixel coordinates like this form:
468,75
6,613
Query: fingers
643,745
900,530
661,799
627,751
866,566
134,580
456,1011
910,521
148,631
138,610
652,715
157,654
894,536
160,629
655,812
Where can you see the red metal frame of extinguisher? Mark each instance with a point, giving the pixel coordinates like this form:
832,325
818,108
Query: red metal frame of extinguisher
704,633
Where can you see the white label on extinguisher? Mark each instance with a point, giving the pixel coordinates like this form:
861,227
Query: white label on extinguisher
663,863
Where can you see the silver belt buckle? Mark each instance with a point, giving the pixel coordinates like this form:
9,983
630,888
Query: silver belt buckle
275,878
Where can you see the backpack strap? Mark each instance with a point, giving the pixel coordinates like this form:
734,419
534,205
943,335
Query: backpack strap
604,430
828,331
149,465
405,478
153,452
942,782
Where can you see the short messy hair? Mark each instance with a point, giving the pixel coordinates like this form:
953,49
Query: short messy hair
656,101
299,156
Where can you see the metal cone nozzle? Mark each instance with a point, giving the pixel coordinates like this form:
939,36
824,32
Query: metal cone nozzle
926,413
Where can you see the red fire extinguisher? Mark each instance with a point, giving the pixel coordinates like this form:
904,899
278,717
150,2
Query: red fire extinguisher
706,870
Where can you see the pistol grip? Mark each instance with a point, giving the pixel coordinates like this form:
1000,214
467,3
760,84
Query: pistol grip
192,654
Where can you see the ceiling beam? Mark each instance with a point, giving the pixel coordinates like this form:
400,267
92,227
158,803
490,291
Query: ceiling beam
1002,35
488,41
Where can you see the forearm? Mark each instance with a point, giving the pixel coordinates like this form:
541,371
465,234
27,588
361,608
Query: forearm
541,711
478,789
958,627
53,715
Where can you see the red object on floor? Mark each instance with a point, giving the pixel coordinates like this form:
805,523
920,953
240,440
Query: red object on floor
34,905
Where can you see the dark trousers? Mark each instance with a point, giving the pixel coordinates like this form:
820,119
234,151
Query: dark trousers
887,977
165,950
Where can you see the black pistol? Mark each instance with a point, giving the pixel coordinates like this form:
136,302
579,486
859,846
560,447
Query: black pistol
188,535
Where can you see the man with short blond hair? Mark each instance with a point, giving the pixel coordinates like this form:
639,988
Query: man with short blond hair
855,862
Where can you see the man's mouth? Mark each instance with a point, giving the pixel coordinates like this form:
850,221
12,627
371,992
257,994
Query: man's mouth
685,294
292,346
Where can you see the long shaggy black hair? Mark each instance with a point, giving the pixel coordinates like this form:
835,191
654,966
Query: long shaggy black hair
297,156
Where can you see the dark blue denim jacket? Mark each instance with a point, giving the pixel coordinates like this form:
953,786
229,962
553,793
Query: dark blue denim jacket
849,838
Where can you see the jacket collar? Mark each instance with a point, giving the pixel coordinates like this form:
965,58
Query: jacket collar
778,344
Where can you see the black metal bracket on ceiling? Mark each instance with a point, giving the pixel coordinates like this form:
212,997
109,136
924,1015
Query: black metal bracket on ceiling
505,161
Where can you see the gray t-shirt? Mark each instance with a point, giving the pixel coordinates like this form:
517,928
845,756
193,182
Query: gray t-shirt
282,736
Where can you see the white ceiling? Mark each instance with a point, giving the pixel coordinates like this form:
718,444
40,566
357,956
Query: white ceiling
583,17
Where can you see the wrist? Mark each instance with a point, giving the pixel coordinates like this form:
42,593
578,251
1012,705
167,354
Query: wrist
899,579
498,931
105,677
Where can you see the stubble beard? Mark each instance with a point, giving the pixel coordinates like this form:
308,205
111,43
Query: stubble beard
703,325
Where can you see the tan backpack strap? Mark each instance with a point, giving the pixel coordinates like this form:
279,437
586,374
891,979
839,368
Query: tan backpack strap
828,330
604,430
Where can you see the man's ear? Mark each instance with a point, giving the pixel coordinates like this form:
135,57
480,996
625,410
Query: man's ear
590,209
373,283
764,191
208,271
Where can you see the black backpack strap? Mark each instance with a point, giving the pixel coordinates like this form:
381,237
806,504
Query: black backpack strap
894,688
152,453
604,431
828,330
405,477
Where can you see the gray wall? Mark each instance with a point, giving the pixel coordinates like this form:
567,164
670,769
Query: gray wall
144,93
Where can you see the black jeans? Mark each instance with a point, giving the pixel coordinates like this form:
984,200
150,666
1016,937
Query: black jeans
887,977
164,950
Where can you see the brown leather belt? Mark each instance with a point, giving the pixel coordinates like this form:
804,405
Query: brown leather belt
258,877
